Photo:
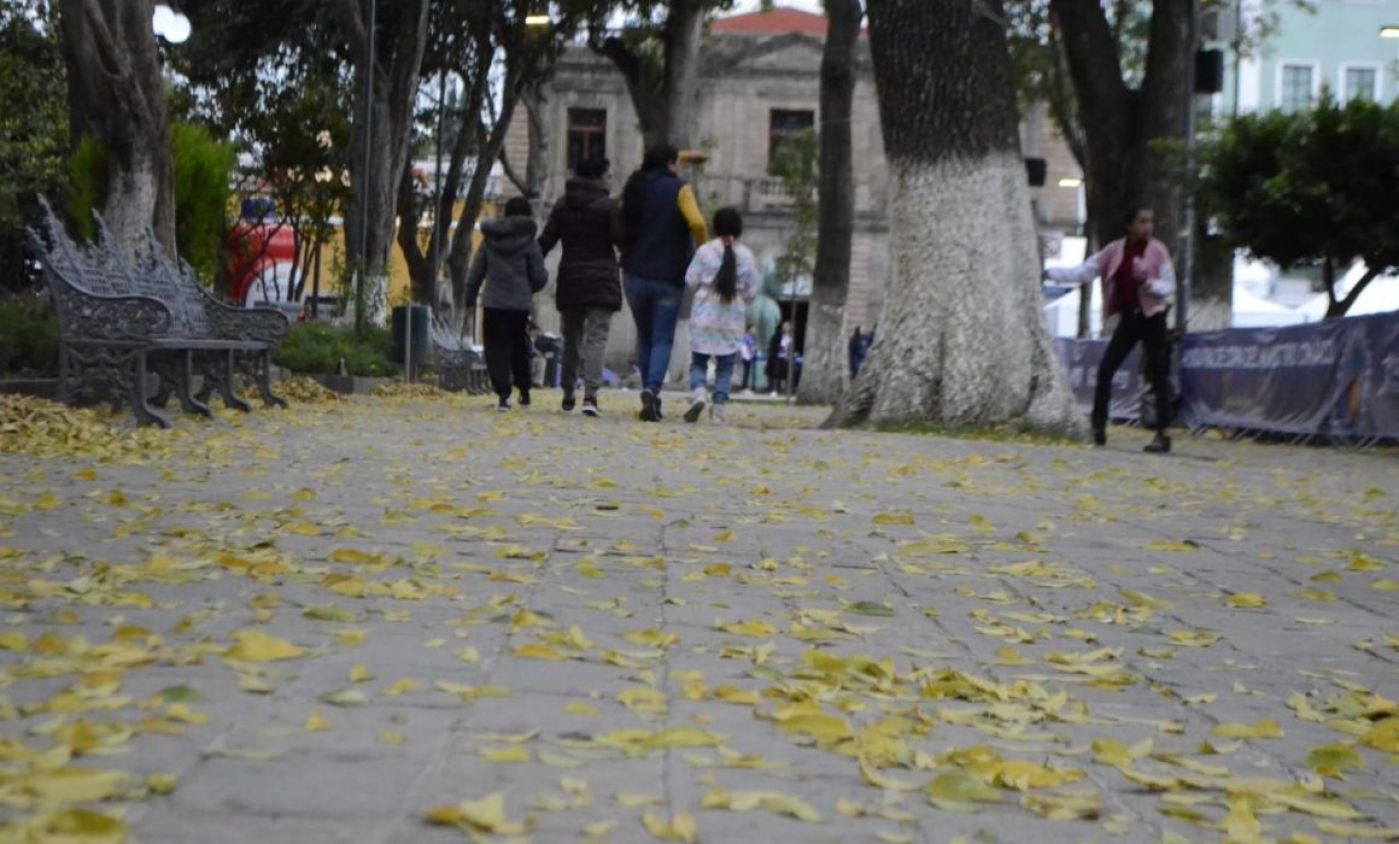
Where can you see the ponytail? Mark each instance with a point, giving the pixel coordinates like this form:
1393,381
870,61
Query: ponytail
726,282
728,225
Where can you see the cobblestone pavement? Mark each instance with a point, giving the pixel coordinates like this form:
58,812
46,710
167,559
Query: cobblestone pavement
362,621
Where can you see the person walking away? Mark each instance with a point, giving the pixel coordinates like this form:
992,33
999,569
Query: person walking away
1138,281
725,280
589,288
661,225
747,355
511,267
778,350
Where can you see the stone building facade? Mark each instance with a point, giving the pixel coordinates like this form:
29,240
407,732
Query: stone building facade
759,81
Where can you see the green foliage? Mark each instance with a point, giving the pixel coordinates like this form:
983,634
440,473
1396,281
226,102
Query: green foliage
202,168
28,334
200,181
87,179
33,129
1316,187
316,348
795,166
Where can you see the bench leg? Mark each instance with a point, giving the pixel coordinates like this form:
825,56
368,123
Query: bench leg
262,375
225,381
145,415
184,387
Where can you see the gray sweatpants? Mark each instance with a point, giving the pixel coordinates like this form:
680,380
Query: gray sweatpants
584,342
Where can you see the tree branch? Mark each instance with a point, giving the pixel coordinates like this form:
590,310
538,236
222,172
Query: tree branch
1345,304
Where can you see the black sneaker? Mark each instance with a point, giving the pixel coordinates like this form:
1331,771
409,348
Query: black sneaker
524,398
1160,445
503,405
650,407
590,407
568,403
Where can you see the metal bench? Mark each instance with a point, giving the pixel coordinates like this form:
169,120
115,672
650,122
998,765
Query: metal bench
120,321
459,367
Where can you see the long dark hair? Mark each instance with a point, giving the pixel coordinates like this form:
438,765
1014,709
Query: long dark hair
658,157
728,224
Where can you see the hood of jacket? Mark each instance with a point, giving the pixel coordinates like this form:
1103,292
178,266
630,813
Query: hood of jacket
579,193
509,235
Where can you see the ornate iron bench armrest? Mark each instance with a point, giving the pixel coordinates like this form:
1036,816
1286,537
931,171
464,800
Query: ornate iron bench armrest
233,323
87,316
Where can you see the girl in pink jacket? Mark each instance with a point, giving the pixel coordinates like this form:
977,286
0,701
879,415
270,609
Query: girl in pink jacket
1138,281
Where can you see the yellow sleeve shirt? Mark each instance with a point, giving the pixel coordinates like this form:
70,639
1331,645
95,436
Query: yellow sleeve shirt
689,209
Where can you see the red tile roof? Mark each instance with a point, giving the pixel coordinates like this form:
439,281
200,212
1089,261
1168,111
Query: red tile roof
780,21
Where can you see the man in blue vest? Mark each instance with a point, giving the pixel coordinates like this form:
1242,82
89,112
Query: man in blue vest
661,226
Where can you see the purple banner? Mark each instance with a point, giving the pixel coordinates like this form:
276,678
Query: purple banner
1339,377
1081,359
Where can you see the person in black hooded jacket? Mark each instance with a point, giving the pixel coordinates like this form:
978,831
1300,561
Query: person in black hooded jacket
589,287
509,265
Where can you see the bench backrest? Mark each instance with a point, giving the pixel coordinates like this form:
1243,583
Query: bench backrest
159,274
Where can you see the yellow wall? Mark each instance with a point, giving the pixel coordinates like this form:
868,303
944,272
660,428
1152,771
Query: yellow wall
333,260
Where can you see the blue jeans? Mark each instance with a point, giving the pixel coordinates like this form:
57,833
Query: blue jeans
723,373
655,308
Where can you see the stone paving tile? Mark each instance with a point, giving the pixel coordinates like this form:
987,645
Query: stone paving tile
463,542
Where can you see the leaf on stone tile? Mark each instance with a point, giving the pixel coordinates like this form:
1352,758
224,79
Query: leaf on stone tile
345,698
1352,831
1265,728
629,800
870,608
756,628
535,651
486,815
1332,759
651,638
682,827
393,738
359,673
401,687
1183,546
892,519
330,613
73,785
257,646
514,753
960,792
316,722
773,801
1384,735
1247,600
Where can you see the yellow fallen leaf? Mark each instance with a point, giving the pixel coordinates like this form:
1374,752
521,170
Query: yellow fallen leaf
1266,728
316,722
960,792
578,707
1384,735
74,826
393,738
1241,826
773,801
629,800
515,753
1247,600
892,519
484,815
533,651
360,673
1345,830
400,687
257,646
756,628
651,638
680,828
73,785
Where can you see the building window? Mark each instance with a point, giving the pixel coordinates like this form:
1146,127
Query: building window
587,135
785,125
1360,83
1296,87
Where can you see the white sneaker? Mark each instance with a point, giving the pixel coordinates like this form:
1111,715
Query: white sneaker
716,414
692,414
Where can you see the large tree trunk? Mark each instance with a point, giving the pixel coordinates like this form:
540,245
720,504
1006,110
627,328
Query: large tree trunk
963,341
825,366
1131,138
664,95
390,85
682,43
117,97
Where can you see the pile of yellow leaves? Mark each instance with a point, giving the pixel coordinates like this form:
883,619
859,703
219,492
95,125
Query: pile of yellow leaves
42,428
